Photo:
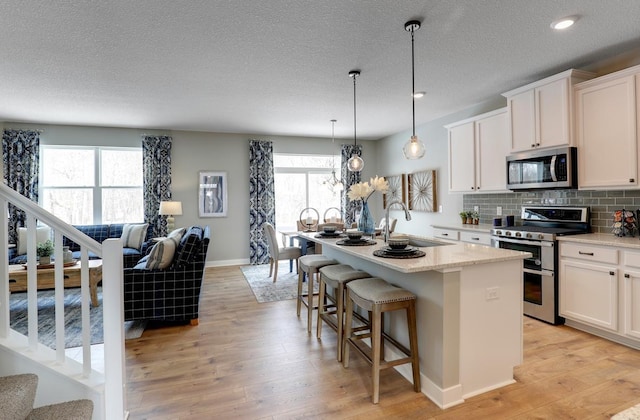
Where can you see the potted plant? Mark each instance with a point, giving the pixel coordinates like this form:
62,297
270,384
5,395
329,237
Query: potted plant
463,216
44,250
475,217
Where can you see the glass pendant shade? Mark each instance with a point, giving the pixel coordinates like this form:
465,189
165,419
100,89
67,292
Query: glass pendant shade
355,163
414,148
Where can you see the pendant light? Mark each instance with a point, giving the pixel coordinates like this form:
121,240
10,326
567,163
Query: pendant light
355,163
414,148
334,183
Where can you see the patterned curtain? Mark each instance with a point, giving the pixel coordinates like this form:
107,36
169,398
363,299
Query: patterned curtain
156,161
261,198
349,178
21,157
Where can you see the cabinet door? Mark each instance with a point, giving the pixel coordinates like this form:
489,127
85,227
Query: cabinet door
606,132
589,293
492,146
521,110
481,238
552,114
632,303
462,158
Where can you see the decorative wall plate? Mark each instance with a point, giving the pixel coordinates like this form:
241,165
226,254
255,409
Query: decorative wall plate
396,189
422,191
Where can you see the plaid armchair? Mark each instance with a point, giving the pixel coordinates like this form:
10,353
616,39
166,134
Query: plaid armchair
171,294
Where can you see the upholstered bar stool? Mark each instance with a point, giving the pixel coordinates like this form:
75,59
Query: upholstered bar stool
377,296
336,277
309,265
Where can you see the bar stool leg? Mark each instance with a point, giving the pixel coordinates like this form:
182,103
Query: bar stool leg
376,356
309,301
322,288
300,278
413,343
347,329
339,293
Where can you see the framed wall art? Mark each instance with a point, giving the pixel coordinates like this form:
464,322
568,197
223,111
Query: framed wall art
212,194
422,191
397,188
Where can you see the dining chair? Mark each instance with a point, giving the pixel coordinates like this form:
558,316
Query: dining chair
277,252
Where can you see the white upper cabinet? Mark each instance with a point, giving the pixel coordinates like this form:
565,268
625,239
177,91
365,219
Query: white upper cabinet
606,131
478,147
540,113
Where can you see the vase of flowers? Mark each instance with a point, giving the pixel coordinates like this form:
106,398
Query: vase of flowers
362,191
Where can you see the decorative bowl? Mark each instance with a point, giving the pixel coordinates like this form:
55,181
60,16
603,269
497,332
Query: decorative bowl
329,229
398,243
355,235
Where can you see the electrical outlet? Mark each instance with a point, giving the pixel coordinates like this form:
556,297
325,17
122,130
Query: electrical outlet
498,211
476,208
492,293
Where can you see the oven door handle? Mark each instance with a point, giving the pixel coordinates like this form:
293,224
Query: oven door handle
554,177
540,273
524,241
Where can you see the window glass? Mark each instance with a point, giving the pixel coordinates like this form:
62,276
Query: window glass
121,205
67,167
121,167
73,205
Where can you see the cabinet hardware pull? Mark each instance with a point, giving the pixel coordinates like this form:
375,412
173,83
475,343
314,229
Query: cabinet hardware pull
627,276
632,180
475,239
585,253
533,145
445,234
611,273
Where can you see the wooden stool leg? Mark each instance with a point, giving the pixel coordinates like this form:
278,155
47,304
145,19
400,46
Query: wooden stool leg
310,301
413,340
300,277
347,329
376,340
322,288
339,292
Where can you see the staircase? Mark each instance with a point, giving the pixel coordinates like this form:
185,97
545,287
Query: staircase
18,392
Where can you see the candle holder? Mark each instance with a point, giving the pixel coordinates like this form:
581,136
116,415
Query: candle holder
332,219
307,220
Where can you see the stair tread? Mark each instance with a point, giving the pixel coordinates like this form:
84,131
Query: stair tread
17,394
68,410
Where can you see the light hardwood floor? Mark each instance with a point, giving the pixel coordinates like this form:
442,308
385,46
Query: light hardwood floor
255,361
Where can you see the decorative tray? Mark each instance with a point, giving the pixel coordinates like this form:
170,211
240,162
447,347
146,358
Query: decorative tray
43,266
393,253
330,235
359,242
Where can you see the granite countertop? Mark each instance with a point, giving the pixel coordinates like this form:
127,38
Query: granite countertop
607,239
482,227
448,255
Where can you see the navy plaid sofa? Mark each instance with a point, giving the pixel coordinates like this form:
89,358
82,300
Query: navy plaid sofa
171,294
130,256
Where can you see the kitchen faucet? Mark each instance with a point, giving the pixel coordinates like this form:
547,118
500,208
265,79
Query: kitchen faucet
407,216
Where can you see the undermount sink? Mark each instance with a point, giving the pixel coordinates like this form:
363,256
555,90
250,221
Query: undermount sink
423,242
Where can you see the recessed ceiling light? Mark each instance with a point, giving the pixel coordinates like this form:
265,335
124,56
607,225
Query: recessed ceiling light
418,94
564,23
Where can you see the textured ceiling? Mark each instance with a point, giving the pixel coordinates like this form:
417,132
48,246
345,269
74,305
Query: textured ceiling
280,67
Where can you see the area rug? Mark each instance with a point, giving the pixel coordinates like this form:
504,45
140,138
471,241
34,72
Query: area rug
263,287
73,324
632,413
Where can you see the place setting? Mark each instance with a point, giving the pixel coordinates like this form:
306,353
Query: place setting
354,238
399,248
330,231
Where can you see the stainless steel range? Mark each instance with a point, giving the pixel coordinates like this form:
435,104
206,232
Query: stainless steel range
537,235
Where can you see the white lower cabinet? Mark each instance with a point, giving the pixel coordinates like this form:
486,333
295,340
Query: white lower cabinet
451,234
475,237
600,287
470,236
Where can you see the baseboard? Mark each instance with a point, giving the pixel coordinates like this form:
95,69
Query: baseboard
629,342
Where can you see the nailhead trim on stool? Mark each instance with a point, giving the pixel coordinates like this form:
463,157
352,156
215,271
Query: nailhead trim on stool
309,264
378,296
336,277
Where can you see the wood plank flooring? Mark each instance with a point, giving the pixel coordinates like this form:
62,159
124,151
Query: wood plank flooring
255,361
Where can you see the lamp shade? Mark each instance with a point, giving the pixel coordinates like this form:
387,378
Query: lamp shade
170,208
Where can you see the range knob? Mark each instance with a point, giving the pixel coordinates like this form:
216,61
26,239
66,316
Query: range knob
518,234
528,236
507,233
498,232
540,236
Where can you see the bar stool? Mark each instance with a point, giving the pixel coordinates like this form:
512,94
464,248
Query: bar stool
309,265
377,296
336,277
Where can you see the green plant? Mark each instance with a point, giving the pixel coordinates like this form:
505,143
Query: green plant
463,214
474,215
45,249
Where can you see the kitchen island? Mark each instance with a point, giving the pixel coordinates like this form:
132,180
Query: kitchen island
469,312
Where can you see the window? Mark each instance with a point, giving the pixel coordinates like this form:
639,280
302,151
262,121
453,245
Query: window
92,185
300,182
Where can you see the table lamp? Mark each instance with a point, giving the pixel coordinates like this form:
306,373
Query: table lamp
170,209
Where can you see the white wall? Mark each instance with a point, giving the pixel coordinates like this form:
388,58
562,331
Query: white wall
390,161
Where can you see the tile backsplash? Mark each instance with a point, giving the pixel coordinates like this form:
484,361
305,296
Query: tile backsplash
601,203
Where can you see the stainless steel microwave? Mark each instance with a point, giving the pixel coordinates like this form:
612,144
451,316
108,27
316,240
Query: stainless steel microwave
543,169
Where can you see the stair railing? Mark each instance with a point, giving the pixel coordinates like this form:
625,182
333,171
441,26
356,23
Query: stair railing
113,402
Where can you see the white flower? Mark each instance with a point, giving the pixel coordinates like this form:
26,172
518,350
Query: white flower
363,190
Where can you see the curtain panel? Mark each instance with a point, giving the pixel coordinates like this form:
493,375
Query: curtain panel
156,161
21,160
349,178
261,198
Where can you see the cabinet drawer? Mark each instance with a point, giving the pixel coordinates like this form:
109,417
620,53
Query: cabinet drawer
450,234
476,237
589,252
631,259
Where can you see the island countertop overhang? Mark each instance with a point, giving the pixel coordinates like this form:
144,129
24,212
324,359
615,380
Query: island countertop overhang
449,255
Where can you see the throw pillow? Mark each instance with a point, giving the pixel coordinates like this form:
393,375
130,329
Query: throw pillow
133,235
161,254
42,234
177,234
189,246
